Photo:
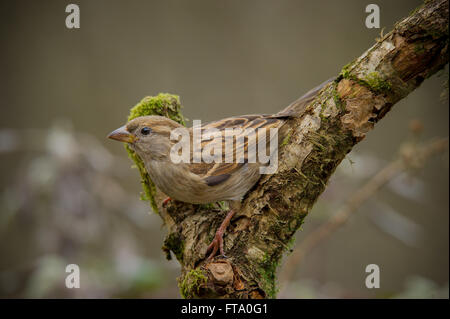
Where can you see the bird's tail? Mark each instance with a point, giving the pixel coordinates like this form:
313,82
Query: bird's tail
297,108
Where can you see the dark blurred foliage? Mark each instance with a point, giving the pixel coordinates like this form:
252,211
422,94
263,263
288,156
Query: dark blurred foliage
67,205
68,195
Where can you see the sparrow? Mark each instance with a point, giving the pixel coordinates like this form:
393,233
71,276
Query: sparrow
203,182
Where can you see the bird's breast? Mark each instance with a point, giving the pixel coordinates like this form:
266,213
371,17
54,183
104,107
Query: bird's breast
176,181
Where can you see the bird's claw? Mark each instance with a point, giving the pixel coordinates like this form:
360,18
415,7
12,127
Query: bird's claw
216,245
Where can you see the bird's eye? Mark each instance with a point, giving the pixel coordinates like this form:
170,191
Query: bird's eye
146,130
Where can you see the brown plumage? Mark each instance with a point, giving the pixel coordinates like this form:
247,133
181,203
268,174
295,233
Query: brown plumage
203,182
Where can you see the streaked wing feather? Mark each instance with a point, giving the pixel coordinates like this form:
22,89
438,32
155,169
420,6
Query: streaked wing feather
217,173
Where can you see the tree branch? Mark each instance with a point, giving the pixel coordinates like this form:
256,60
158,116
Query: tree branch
317,141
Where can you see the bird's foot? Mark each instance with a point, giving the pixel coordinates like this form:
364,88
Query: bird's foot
217,243
164,203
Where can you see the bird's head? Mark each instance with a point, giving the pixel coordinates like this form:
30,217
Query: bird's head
149,136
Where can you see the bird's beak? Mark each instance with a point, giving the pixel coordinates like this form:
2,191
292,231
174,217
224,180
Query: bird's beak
122,135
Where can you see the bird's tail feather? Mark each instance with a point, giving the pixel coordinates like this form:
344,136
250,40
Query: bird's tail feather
297,108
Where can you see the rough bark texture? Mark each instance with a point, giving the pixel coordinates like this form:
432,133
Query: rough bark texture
339,117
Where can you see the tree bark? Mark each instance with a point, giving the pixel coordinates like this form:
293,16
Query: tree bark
317,141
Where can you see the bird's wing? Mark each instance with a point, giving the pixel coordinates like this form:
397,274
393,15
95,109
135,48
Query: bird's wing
215,137
216,173
298,107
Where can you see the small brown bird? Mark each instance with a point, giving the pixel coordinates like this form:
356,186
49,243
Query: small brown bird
201,183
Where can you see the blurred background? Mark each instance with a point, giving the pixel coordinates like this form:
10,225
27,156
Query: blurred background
69,196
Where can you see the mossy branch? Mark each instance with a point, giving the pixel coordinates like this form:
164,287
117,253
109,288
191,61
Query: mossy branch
339,117
163,104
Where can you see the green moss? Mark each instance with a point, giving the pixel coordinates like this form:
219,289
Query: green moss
222,205
175,243
192,282
286,139
329,147
290,244
163,104
296,224
346,70
147,185
372,81
376,83
267,271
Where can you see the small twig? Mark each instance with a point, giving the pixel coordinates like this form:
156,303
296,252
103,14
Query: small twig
410,157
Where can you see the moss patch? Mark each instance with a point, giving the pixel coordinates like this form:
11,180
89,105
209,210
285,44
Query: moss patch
164,104
290,244
175,243
192,282
147,185
376,84
372,81
222,205
286,139
267,270
346,70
